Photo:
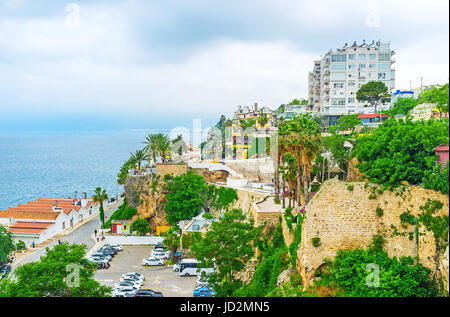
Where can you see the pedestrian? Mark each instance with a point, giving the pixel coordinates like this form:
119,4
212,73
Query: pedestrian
59,241
95,232
33,244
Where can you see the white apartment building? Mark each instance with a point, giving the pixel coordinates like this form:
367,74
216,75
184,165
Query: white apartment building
344,71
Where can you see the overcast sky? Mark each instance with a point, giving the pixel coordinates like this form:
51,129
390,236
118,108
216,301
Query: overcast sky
159,64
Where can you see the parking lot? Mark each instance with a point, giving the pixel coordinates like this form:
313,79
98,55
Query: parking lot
160,279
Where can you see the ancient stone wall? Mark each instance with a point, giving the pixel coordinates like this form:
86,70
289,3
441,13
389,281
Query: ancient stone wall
343,215
171,168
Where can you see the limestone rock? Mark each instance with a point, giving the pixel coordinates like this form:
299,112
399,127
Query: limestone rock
443,267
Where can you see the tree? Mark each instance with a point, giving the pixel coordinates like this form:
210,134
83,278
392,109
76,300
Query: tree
186,195
163,145
402,106
437,95
229,244
138,157
100,196
348,123
262,118
374,92
295,102
151,146
55,275
172,239
141,226
6,244
400,150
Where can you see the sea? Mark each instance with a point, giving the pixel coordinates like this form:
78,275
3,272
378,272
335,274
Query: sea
63,164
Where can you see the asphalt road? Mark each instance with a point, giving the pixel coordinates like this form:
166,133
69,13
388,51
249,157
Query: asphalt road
81,235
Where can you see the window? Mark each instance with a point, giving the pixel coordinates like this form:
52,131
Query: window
337,66
338,85
351,56
351,100
338,58
362,65
372,65
373,56
383,66
338,101
351,66
362,56
381,75
351,83
383,57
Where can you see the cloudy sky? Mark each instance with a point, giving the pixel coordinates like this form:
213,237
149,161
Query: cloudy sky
104,64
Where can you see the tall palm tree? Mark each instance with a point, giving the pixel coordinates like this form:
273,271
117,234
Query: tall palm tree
151,148
100,196
138,157
163,145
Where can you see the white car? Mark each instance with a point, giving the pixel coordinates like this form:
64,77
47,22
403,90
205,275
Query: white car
160,254
132,285
116,246
134,274
136,281
122,292
152,262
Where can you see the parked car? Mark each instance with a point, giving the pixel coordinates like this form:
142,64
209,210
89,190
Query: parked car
159,245
161,252
101,255
126,284
123,292
152,262
116,247
134,274
101,263
160,255
132,280
204,292
4,270
109,250
147,293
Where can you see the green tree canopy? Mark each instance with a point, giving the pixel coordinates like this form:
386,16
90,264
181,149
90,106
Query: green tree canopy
400,150
374,93
55,275
437,95
229,244
141,226
402,106
186,195
6,244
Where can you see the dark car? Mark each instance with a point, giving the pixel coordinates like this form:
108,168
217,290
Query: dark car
4,270
147,293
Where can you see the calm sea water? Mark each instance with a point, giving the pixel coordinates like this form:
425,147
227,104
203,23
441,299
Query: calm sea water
58,164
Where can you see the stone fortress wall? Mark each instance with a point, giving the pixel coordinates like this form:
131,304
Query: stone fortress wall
343,215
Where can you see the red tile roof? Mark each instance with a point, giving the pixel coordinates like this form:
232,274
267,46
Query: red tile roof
29,227
374,115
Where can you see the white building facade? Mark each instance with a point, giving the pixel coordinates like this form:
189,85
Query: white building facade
344,71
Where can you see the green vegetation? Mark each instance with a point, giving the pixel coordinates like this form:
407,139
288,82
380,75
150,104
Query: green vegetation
439,225
437,95
374,93
316,242
186,195
190,239
221,198
124,212
141,226
379,211
344,123
437,179
402,106
6,244
400,150
55,275
100,196
351,271
20,245
350,187
171,239
230,243
296,241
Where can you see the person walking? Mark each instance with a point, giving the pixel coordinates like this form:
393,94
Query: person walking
33,244
95,232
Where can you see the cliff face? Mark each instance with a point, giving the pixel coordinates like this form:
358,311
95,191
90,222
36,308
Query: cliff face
146,195
344,216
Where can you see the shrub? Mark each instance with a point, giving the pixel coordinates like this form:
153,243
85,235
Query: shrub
276,201
316,242
350,187
379,211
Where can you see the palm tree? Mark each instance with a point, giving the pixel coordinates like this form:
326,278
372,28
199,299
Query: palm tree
262,118
99,197
151,148
138,157
171,239
163,145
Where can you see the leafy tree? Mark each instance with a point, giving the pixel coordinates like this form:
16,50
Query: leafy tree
141,226
172,239
402,106
186,195
245,124
437,95
397,277
437,179
221,197
295,102
137,157
335,144
229,244
348,123
100,196
400,150
374,92
6,244
52,276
